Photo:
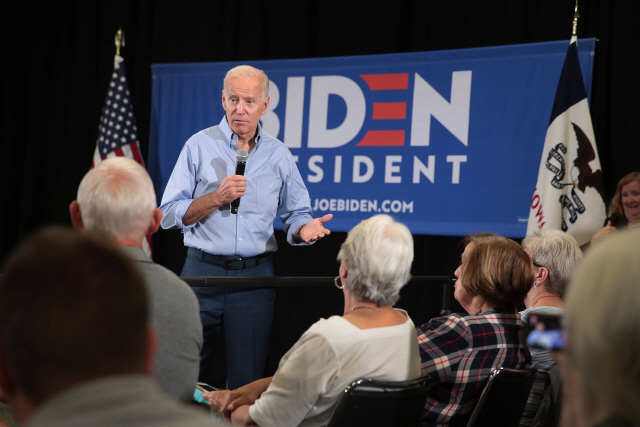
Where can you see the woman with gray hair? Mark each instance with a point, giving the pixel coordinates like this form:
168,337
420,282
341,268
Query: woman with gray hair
599,364
371,339
554,255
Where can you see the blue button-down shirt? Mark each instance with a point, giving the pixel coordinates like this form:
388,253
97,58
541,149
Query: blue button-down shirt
274,185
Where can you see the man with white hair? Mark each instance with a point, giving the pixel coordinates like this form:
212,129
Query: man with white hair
118,199
226,242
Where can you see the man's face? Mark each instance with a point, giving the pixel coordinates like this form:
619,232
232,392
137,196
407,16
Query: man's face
244,104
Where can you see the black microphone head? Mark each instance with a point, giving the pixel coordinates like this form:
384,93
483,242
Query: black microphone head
242,155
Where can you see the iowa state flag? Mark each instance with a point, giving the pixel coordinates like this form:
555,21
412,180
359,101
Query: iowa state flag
569,194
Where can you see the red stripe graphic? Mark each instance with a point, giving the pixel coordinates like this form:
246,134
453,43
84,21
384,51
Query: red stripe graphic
383,138
387,81
389,110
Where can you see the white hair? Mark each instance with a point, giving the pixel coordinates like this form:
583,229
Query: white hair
117,198
558,252
378,253
603,316
247,71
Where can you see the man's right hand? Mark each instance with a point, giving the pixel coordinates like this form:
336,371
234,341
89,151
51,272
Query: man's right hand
231,188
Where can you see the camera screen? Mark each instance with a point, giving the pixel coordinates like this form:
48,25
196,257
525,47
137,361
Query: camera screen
547,332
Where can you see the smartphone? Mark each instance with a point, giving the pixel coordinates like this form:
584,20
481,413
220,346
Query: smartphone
547,331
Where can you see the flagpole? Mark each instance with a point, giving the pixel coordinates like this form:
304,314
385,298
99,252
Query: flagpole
576,15
119,39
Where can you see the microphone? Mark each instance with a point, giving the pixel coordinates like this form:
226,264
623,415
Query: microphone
241,157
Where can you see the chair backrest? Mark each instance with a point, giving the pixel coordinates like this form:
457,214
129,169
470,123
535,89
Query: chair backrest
503,398
368,402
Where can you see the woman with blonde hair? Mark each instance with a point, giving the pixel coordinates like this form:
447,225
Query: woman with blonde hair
624,209
599,365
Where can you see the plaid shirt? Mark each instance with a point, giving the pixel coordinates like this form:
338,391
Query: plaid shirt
459,352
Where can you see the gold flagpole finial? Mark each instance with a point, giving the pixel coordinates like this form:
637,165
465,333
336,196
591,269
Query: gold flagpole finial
576,15
119,40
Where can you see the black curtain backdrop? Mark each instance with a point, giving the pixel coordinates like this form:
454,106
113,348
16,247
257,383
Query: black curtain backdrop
58,58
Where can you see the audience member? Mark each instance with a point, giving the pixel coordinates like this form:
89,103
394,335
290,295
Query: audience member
371,339
459,352
75,345
624,209
118,199
554,255
600,369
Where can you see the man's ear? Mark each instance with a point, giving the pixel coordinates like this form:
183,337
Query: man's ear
76,216
266,105
156,218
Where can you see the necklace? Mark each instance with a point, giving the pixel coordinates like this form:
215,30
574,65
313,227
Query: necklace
535,301
361,306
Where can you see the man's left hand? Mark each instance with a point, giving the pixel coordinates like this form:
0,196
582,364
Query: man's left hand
314,229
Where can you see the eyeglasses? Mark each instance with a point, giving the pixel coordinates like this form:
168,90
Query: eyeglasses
338,285
537,265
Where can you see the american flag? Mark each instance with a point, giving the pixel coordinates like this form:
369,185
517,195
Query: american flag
118,133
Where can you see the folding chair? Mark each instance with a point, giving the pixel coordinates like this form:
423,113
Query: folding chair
367,402
503,398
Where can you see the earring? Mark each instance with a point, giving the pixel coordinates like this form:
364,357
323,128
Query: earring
535,285
338,285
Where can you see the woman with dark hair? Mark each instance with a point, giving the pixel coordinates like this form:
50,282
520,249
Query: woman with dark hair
624,209
459,352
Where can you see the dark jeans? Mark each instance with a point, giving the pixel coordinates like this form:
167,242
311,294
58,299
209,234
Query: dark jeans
245,313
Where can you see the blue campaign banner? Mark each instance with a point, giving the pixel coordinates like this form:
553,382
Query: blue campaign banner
448,142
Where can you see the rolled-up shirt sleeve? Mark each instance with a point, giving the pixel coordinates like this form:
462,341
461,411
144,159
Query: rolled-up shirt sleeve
178,194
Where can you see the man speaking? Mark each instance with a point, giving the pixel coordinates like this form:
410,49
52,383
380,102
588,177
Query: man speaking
197,199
